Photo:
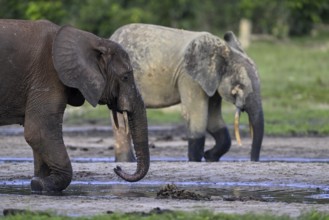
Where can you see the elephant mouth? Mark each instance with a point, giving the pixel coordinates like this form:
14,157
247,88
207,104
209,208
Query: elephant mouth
113,106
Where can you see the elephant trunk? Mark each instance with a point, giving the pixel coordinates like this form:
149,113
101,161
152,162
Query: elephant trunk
256,120
138,127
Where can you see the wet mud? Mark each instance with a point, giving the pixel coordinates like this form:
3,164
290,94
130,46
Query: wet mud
290,179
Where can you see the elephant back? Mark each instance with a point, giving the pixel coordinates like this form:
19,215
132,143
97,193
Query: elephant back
153,45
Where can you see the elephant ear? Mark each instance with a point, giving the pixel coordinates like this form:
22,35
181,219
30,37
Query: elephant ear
75,56
232,41
204,59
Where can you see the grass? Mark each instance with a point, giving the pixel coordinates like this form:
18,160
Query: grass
202,215
295,89
295,85
101,115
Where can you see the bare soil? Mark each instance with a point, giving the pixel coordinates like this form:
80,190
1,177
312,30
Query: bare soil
283,164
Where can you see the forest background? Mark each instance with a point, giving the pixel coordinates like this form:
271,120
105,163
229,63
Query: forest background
281,18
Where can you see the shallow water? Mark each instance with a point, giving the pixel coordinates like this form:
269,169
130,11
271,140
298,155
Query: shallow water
229,191
175,159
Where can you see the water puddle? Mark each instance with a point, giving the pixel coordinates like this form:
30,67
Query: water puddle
228,191
174,159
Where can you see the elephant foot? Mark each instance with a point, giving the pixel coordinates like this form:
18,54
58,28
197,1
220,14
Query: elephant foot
37,185
212,155
223,144
196,149
48,184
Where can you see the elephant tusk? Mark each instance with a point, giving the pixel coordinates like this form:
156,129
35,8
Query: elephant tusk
115,119
236,126
125,119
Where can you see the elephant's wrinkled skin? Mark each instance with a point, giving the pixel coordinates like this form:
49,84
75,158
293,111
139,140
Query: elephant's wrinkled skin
44,67
196,69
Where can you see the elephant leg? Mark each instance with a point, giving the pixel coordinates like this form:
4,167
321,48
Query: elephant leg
40,167
194,103
222,146
196,148
122,146
218,130
43,132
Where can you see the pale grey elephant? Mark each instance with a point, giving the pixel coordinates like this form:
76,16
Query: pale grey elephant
196,69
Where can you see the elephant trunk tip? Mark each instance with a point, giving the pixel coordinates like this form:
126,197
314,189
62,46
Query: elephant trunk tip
130,178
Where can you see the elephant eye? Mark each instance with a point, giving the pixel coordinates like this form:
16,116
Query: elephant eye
125,77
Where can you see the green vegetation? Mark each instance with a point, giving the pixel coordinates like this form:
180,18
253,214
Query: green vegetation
295,85
168,215
278,18
101,116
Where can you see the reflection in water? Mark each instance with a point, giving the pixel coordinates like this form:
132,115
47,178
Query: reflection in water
217,191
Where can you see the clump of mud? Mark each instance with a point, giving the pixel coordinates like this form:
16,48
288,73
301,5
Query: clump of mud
171,191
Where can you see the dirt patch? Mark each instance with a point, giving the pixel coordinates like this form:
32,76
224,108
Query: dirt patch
285,163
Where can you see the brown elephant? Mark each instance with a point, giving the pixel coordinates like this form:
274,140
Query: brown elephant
44,67
198,70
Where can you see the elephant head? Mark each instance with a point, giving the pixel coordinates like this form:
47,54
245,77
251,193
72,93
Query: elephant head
99,71
231,73
241,86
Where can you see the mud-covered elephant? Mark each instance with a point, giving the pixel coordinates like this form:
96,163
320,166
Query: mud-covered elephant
198,70
44,67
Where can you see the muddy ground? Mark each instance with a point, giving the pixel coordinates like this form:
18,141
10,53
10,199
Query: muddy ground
286,163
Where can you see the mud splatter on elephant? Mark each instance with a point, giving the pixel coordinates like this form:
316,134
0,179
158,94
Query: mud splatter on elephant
198,70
